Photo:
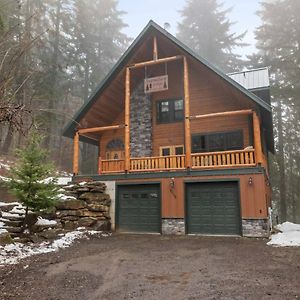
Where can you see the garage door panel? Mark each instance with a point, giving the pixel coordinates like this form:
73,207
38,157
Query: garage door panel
139,208
213,208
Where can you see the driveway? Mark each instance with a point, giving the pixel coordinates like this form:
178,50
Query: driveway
157,267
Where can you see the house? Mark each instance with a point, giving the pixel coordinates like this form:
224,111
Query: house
183,147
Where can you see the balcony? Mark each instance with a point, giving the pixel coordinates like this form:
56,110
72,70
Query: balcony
207,160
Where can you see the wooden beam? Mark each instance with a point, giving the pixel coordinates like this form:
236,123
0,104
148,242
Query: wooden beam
155,62
187,128
127,120
98,129
223,114
76,154
155,53
257,139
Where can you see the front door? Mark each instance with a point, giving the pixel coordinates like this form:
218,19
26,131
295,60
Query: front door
114,154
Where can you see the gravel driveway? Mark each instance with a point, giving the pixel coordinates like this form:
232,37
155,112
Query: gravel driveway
157,267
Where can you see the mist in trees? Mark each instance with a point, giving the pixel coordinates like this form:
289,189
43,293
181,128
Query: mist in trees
53,54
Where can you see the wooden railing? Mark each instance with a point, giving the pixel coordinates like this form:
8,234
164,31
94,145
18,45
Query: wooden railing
221,159
111,166
157,163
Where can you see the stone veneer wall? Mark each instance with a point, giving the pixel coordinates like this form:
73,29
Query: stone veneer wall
173,226
140,123
255,227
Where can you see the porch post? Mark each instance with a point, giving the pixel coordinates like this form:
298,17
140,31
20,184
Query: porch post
257,139
127,120
187,128
155,54
76,154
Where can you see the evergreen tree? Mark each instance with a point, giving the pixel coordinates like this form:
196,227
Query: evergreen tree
205,28
30,178
279,47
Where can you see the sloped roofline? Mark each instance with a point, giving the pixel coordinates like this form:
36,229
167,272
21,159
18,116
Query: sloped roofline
70,127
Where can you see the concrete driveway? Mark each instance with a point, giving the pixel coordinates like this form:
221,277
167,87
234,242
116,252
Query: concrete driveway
157,267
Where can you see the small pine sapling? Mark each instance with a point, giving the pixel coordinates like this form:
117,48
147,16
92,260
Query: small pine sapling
31,180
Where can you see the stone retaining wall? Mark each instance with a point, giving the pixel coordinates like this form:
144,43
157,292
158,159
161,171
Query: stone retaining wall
255,227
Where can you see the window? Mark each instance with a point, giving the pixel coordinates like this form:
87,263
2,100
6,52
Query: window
169,111
213,142
171,150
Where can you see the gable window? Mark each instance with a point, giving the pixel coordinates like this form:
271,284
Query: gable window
213,142
169,111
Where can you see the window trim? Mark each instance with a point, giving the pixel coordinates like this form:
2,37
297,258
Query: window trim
171,112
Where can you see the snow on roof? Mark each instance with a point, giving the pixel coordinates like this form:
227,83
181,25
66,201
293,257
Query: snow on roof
252,79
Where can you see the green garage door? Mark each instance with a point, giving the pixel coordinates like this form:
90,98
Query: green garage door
139,208
213,208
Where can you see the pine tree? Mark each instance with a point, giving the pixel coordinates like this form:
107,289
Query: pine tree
205,28
30,178
279,47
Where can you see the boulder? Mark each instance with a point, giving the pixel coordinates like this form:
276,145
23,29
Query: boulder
87,213
66,213
8,206
70,204
102,226
70,218
13,229
94,197
97,207
5,238
49,234
70,225
12,223
87,221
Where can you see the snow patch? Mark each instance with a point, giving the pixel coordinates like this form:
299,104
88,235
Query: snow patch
13,253
59,180
9,203
289,235
64,197
2,230
45,222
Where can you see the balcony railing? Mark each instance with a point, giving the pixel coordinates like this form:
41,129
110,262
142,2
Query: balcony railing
207,160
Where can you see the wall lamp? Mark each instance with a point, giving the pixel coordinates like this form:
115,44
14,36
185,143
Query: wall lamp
250,181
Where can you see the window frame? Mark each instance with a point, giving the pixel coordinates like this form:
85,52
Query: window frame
171,113
172,150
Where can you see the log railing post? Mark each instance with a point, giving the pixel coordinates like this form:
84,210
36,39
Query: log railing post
187,128
127,120
257,139
76,154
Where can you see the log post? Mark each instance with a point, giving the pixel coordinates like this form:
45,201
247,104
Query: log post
257,139
155,53
127,120
76,154
187,128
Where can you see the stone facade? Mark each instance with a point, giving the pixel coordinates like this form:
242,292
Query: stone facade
140,123
255,227
173,226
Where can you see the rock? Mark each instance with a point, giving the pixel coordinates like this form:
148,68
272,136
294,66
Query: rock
87,221
70,218
87,213
82,189
70,204
70,225
49,234
98,184
12,223
12,217
66,213
97,207
94,197
102,226
5,238
13,229
7,207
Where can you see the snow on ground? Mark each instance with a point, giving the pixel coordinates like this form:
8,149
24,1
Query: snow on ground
13,253
64,197
289,235
60,180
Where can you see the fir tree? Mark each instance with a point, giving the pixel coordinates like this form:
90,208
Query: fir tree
30,178
205,28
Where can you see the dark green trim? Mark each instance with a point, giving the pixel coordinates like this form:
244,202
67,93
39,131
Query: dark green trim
186,173
70,128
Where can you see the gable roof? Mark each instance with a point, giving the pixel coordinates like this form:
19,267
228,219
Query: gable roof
69,129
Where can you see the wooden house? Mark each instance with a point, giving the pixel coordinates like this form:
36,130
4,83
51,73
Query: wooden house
183,147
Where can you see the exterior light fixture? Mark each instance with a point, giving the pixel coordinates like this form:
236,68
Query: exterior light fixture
250,181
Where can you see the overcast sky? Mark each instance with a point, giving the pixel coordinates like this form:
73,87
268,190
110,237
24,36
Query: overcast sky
139,12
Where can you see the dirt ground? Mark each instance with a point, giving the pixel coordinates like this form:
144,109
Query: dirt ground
157,267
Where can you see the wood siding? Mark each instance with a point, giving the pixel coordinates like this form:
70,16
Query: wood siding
253,197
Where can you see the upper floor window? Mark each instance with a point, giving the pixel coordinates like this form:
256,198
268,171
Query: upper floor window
169,111
212,142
